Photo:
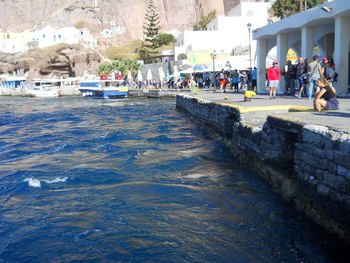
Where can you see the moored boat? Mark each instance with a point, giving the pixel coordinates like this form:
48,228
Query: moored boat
103,88
45,88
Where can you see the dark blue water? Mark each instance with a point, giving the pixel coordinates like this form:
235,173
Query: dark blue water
135,180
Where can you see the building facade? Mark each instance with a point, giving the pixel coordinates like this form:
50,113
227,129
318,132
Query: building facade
326,26
229,36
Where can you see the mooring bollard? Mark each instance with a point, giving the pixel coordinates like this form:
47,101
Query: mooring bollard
248,94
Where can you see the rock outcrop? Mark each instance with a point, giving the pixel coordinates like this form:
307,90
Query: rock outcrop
57,61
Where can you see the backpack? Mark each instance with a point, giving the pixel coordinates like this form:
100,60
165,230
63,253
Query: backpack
329,73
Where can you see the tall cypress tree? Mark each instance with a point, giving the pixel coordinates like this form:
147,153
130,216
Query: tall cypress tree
151,28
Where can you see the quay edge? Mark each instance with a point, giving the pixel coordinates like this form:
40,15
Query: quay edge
308,164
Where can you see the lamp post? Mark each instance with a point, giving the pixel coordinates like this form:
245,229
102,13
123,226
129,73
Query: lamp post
249,26
213,56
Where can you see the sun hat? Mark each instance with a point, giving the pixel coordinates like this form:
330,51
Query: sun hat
275,62
325,60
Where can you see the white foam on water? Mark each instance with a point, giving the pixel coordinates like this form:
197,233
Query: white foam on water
33,182
56,180
195,176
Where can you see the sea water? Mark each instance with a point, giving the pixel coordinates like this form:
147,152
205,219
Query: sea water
135,180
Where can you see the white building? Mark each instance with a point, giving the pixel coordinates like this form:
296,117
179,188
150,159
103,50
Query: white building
49,36
11,42
229,36
326,26
86,39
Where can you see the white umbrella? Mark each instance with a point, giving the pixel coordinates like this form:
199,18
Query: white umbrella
187,71
129,75
161,73
149,74
176,73
139,76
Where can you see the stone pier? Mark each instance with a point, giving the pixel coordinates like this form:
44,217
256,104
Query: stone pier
306,161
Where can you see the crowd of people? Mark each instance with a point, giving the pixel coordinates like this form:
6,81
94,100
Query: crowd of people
235,80
312,79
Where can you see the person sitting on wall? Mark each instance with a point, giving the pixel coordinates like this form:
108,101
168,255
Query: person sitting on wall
326,98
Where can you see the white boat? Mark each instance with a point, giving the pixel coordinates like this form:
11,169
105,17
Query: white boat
107,88
48,88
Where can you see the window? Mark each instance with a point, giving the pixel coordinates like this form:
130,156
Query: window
54,38
250,13
59,37
44,36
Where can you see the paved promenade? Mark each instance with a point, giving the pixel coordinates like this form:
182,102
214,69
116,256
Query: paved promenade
289,106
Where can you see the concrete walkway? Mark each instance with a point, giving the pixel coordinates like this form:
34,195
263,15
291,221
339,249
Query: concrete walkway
301,110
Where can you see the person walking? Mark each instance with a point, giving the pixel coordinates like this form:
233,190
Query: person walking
315,73
289,78
273,76
222,80
235,80
328,71
305,78
299,74
254,78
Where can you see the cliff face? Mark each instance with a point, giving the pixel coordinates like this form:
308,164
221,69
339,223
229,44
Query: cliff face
18,15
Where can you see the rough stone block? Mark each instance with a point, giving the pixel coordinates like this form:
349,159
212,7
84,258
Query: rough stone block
332,167
323,189
319,152
343,172
329,155
344,143
342,159
299,146
340,183
329,179
329,144
317,128
313,138
298,155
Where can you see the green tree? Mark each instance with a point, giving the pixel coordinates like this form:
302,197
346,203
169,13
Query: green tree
104,69
165,39
204,21
126,65
118,65
151,28
284,8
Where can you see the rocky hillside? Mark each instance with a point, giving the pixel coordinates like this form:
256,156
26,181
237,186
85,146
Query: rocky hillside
55,61
18,15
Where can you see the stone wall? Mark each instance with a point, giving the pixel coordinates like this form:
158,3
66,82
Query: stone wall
307,164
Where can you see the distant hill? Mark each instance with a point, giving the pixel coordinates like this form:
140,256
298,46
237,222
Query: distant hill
18,15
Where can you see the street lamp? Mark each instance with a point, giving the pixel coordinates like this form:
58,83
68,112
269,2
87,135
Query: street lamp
249,26
213,56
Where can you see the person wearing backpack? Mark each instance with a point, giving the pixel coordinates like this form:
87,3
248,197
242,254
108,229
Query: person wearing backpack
328,71
315,73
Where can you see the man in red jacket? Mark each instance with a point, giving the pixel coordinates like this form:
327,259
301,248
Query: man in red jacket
273,77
